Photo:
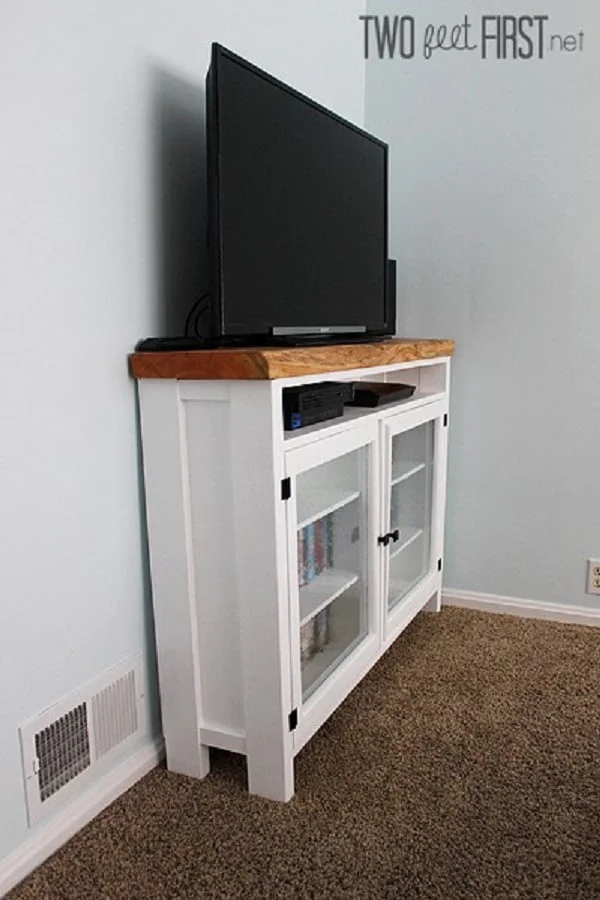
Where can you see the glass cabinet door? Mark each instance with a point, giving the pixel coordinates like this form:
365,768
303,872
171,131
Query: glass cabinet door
410,507
331,504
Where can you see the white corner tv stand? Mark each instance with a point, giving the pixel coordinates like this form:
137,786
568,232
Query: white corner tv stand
284,563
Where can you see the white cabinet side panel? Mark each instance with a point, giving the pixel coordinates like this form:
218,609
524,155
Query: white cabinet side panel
169,538
214,551
261,556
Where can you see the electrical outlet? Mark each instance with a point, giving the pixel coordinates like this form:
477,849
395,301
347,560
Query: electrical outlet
593,577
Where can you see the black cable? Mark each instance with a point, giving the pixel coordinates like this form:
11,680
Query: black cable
199,307
195,329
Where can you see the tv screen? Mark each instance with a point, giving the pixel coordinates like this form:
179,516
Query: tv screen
297,211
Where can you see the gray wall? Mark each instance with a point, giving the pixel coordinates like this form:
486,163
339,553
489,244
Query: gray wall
101,228
495,199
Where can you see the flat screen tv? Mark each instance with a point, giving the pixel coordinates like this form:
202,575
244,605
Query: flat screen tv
298,215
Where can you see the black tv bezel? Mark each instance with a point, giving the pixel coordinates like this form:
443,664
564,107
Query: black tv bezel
215,237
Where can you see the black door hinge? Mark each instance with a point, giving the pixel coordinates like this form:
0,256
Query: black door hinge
440,564
293,720
445,420
286,488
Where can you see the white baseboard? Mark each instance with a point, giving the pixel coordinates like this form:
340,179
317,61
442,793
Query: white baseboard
47,838
513,606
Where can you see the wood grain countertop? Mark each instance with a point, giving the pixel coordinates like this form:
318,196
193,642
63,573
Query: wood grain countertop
267,363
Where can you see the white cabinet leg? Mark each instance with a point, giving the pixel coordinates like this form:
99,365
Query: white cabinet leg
434,604
192,760
204,762
272,776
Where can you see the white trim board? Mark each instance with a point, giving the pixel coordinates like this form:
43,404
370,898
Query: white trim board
48,838
513,606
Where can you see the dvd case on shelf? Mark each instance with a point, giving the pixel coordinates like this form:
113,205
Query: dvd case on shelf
315,544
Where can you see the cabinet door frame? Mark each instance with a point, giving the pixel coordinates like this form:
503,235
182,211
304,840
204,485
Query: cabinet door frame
319,706
398,618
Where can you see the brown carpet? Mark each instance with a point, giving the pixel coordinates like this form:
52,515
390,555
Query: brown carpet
466,765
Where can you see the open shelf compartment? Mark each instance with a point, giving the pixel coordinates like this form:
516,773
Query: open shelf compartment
429,381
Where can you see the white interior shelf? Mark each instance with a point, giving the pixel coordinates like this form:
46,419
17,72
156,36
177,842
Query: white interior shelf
322,591
408,534
317,502
403,469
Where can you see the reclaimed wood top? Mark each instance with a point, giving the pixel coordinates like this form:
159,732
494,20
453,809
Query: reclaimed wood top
266,363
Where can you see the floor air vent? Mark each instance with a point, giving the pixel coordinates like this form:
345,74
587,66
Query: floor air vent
114,714
62,751
61,747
